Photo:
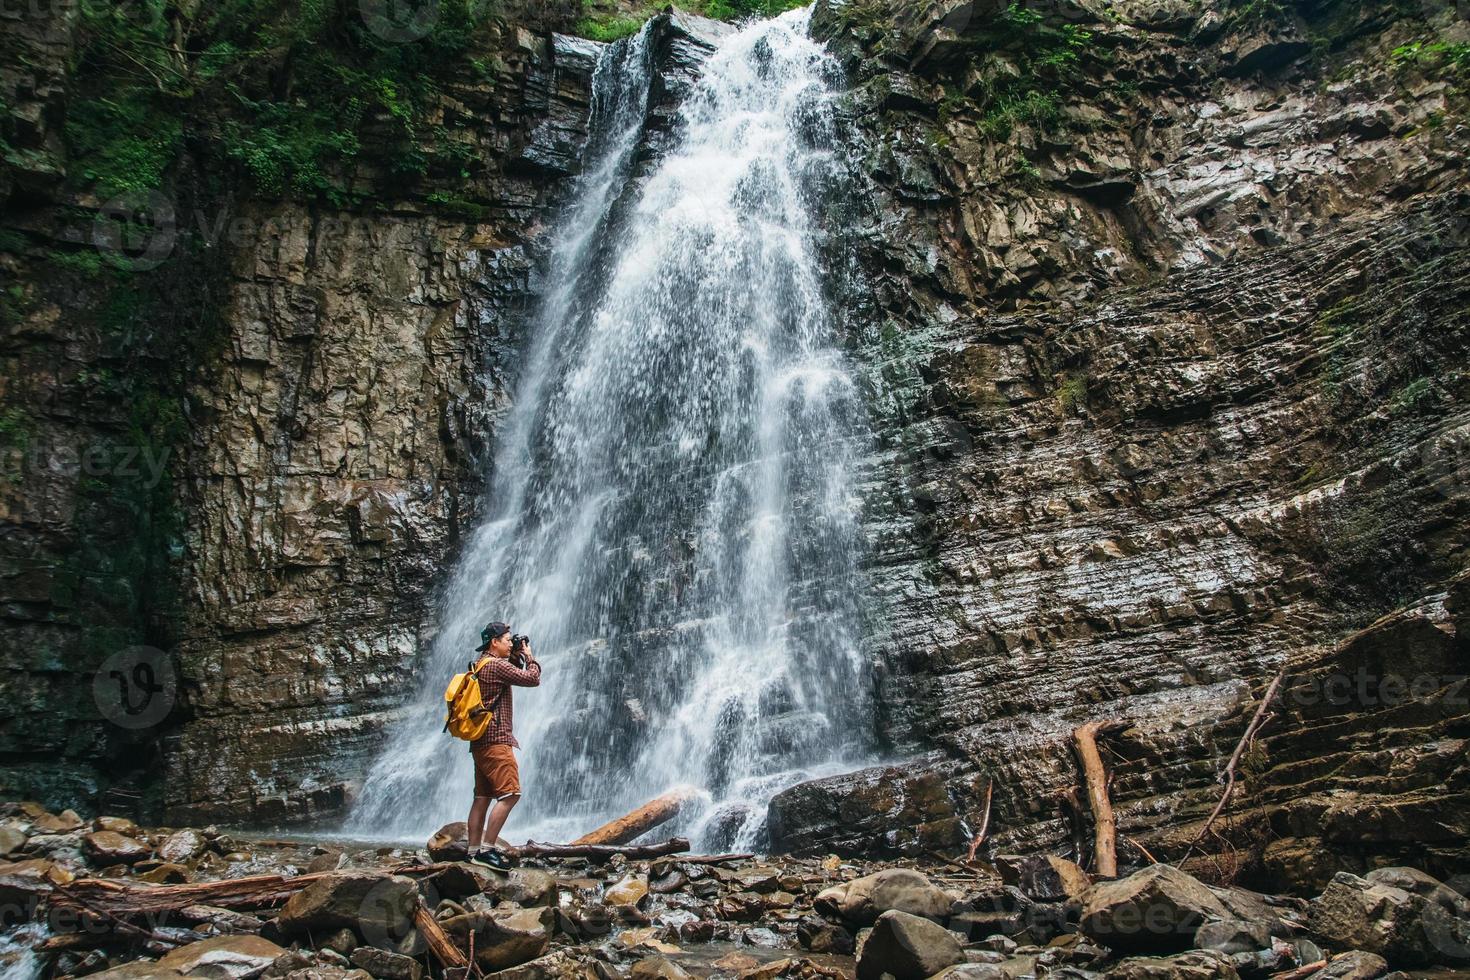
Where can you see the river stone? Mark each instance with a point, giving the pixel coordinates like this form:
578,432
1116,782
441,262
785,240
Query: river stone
504,937
52,823
182,846
11,841
450,842
223,958
627,891
1230,936
1353,965
1043,877
379,907
862,900
657,967
820,936
1156,910
385,965
1198,964
1406,928
909,947
166,873
974,971
118,825
458,880
105,847
528,887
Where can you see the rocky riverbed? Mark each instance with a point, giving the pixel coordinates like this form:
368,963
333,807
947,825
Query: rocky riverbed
108,898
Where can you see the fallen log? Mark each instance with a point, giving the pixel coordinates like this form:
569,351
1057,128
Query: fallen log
674,845
1095,777
130,898
656,811
445,951
715,858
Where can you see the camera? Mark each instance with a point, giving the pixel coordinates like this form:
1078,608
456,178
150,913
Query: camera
518,643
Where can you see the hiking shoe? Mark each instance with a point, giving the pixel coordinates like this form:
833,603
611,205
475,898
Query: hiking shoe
491,857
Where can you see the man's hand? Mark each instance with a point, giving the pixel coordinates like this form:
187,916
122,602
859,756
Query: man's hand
526,650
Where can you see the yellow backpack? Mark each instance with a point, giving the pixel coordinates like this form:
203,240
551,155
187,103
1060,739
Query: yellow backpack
467,716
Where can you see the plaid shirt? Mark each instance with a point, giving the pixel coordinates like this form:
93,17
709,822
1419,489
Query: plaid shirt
496,679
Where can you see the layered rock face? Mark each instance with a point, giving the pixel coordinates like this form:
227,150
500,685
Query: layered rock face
1169,379
335,444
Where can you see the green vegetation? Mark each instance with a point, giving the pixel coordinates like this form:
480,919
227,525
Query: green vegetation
1038,65
611,25
1072,394
1437,59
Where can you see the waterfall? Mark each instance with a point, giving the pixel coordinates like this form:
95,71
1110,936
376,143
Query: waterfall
673,516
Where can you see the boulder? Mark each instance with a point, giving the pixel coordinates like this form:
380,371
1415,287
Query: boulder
11,841
1409,928
1156,910
1231,936
458,881
1199,964
504,937
629,890
1354,965
1044,877
378,907
560,965
52,823
106,847
909,947
450,842
974,971
862,900
385,965
222,958
528,887
182,846
657,968
881,811
118,825
820,936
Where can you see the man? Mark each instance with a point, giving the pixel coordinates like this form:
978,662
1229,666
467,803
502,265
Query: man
497,779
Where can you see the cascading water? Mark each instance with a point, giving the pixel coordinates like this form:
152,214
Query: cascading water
673,516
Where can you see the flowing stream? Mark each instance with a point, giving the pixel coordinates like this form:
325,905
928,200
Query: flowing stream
673,517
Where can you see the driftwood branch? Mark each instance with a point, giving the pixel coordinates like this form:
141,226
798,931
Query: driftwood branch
984,823
631,825
1246,738
673,845
1095,777
445,951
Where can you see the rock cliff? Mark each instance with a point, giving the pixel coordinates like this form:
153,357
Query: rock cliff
1163,307
1167,339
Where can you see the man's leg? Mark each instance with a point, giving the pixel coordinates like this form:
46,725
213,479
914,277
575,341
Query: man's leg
476,822
498,815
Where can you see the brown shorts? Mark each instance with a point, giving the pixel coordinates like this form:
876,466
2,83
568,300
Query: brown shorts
496,773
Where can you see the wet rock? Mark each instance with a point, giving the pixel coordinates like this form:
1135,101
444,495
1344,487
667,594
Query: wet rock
1044,877
975,971
222,958
224,921
118,825
287,963
763,937
1405,927
1353,965
450,842
11,841
560,965
106,847
342,942
378,907
657,968
909,947
459,880
165,874
1156,910
1200,964
882,811
327,861
1230,936
741,907
56,823
528,887
182,847
820,936
504,937
629,890
861,901
384,965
